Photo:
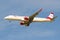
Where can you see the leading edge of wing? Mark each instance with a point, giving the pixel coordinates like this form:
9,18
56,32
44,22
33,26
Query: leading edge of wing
32,17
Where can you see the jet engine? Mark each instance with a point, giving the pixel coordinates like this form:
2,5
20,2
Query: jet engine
21,23
26,18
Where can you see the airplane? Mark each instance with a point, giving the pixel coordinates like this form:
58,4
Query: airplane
27,20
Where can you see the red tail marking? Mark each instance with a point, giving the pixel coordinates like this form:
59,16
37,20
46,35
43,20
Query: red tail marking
48,18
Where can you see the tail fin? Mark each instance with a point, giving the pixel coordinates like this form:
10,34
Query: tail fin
51,16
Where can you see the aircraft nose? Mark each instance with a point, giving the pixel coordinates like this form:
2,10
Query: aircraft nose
5,18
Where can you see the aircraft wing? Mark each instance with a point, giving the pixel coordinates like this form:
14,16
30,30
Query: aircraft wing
32,17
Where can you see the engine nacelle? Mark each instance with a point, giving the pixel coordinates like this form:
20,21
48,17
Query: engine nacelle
21,23
26,18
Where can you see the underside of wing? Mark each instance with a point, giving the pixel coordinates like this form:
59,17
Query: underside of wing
27,23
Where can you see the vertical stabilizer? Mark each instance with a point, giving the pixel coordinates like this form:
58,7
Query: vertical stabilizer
51,16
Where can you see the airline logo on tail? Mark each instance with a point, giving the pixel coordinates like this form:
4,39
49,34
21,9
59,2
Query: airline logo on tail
51,16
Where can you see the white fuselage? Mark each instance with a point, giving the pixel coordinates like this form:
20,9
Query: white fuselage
21,18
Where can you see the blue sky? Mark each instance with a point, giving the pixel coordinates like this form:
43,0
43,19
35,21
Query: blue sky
36,31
